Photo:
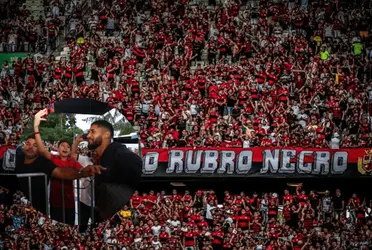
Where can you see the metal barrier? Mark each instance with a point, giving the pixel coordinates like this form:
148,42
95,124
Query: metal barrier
47,205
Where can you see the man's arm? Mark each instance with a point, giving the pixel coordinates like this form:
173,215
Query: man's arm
73,174
50,169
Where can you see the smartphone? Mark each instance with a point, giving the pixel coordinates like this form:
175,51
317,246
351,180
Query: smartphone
50,109
85,136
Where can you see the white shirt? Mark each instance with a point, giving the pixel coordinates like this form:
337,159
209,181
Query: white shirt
334,143
302,119
229,220
295,109
73,24
128,53
156,229
246,144
208,213
156,244
259,247
93,24
106,234
139,19
12,38
266,128
146,106
85,188
112,241
110,23
41,220
193,109
174,223
328,31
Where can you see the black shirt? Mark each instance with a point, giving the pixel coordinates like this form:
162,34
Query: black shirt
40,165
94,74
337,202
116,185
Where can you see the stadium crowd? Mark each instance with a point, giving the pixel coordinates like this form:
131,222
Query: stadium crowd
233,73
299,221
230,74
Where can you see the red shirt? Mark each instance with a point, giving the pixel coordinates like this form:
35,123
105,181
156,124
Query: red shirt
287,197
163,236
243,221
189,239
217,237
151,198
56,184
302,199
136,200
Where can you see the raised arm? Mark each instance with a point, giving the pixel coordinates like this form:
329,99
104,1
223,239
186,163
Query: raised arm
39,141
75,145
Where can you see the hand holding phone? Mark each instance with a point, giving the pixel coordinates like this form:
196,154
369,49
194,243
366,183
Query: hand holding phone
85,136
40,116
50,109
82,137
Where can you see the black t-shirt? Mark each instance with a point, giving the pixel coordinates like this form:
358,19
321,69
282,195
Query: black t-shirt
337,202
94,75
116,185
40,165
230,101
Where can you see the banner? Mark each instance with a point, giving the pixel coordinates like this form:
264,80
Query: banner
256,162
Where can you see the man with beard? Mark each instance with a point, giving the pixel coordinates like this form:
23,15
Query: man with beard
116,185
29,161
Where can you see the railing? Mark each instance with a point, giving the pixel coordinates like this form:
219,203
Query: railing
47,205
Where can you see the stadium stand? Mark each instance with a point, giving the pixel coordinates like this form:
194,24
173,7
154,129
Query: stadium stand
200,220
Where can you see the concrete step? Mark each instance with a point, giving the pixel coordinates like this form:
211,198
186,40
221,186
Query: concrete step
37,12
63,53
36,16
35,8
35,2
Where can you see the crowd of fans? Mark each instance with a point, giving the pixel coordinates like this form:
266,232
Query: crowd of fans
230,74
21,31
298,220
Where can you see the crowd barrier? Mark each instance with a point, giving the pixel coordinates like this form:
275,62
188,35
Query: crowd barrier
47,191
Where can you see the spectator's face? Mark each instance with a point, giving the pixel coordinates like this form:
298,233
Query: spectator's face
64,149
30,149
